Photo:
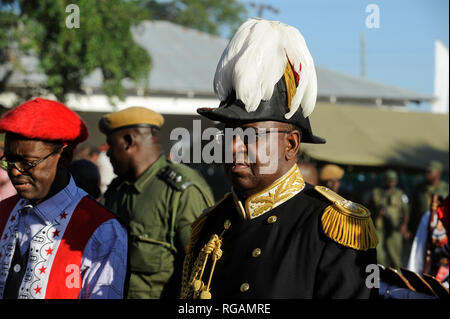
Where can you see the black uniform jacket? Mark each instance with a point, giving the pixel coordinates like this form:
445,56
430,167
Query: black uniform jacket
287,258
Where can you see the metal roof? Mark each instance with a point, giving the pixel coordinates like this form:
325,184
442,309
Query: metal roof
337,84
184,61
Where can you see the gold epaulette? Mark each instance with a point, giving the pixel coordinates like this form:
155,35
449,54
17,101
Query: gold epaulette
346,222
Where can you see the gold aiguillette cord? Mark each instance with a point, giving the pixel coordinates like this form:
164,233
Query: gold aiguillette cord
212,247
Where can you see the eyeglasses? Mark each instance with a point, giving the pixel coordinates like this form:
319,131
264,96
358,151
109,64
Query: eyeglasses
248,135
23,166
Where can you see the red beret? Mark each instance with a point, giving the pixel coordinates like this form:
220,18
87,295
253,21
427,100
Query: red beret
46,120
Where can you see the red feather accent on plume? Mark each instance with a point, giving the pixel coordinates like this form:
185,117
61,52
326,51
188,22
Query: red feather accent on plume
296,75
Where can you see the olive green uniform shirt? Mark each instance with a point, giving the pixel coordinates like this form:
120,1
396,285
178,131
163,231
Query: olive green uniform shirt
395,205
158,210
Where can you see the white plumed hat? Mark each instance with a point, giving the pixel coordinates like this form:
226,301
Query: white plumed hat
266,73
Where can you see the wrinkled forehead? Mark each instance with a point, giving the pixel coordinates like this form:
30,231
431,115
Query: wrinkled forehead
14,140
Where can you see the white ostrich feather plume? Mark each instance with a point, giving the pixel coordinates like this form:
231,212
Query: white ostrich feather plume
255,60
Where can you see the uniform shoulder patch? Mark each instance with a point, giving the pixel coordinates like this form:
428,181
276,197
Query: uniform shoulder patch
346,222
172,176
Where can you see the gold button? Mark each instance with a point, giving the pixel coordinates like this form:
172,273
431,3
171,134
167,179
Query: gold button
272,219
256,252
227,224
245,287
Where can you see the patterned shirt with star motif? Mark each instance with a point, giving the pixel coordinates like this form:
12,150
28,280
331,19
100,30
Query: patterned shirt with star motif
103,263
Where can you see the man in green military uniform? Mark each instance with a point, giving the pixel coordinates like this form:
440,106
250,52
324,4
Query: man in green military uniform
274,235
156,199
331,176
423,193
391,215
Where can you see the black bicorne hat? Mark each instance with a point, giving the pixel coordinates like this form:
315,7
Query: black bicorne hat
233,111
266,73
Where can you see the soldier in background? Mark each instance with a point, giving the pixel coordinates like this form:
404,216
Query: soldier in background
331,176
423,193
155,198
390,207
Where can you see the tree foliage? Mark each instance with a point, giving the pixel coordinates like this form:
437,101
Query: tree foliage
67,55
217,17
103,40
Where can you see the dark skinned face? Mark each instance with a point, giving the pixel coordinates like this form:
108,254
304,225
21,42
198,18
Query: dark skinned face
391,183
40,182
258,163
118,153
132,150
333,184
432,177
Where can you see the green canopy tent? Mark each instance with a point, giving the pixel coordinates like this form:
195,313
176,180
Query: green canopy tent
372,136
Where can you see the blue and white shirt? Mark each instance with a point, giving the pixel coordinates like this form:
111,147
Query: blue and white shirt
104,259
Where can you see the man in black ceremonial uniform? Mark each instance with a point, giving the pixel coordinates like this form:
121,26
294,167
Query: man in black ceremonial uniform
274,235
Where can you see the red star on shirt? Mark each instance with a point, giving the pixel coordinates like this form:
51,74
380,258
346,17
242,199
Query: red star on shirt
13,218
49,251
56,233
63,215
37,289
42,270
5,237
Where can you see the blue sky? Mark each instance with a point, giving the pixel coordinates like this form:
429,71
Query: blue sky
400,52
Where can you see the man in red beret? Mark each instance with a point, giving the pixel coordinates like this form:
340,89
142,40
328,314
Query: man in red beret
56,242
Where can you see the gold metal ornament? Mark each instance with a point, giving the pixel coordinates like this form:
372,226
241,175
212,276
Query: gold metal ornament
211,249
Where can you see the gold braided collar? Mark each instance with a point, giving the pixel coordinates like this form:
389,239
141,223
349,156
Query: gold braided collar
284,188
